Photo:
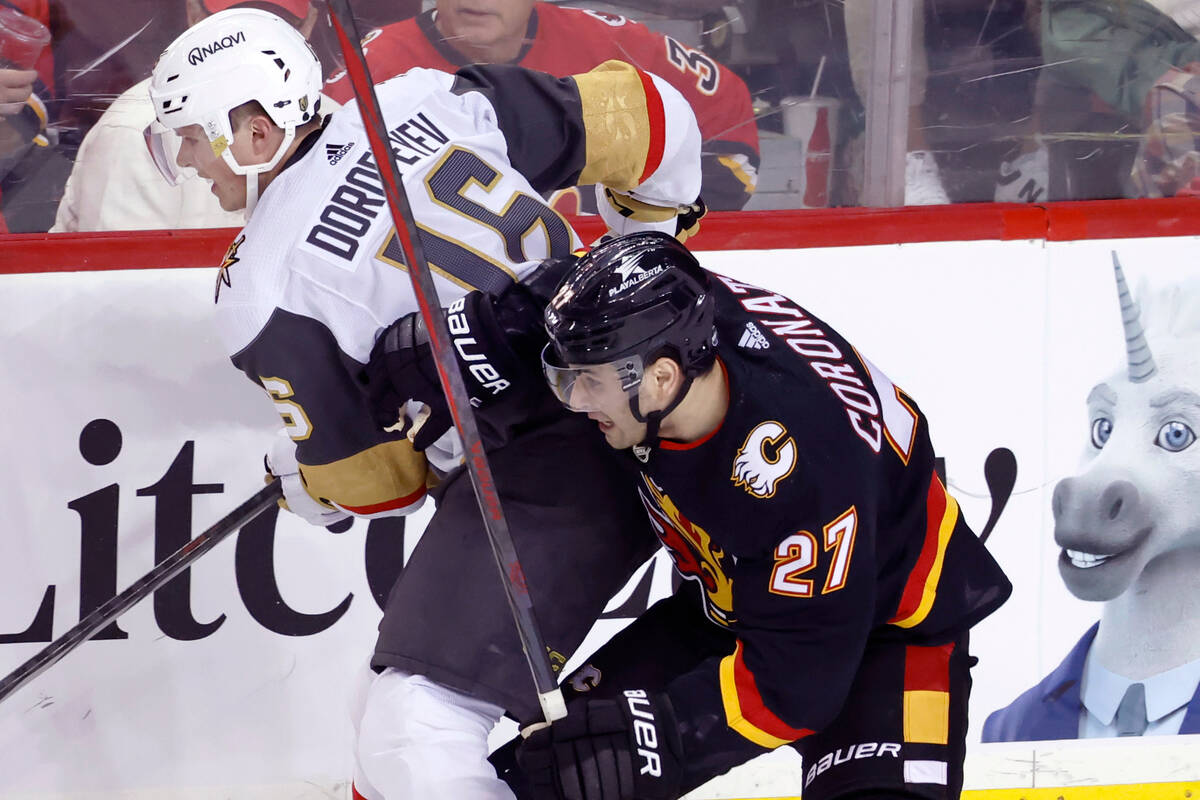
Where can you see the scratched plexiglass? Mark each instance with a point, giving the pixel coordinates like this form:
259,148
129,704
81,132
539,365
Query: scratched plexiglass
802,103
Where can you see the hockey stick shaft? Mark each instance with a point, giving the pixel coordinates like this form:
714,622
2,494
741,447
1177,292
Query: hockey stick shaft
512,576
142,588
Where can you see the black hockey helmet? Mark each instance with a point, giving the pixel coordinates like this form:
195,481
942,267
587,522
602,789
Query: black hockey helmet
627,303
638,295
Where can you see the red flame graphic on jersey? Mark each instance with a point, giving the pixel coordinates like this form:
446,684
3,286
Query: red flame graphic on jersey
677,545
691,550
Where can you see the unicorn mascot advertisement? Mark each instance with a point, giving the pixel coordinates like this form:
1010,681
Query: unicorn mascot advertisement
1124,528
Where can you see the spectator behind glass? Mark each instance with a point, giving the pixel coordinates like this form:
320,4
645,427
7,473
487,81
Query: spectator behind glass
115,184
1117,112
1186,13
31,172
564,41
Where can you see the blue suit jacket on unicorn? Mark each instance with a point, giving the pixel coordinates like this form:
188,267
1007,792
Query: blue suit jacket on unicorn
1051,709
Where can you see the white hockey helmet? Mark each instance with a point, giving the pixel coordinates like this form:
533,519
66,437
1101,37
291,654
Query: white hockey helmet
225,61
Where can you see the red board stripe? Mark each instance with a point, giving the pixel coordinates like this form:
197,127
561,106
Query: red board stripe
745,230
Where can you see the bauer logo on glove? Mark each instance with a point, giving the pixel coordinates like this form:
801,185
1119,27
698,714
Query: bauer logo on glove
626,747
471,354
488,337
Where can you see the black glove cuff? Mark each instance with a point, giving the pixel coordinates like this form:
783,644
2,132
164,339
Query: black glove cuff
407,333
657,747
627,746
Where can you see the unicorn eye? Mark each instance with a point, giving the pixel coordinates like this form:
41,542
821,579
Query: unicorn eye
1101,430
1174,436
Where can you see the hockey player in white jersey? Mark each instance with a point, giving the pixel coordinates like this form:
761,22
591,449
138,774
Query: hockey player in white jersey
315,276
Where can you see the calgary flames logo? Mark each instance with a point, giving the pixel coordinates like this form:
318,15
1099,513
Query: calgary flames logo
767,457
691,549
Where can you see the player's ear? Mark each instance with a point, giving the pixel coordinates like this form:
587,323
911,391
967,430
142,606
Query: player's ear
664,378
264,136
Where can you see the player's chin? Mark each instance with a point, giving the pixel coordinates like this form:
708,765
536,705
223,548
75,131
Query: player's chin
604,423
228,202
616,441
617,438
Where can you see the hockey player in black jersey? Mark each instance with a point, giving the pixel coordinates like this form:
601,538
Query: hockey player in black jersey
831,578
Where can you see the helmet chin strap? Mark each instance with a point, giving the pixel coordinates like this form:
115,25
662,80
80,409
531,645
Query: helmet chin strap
251,194
253,171
654,419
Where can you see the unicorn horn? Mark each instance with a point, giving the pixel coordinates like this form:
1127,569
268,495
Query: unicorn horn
1141,362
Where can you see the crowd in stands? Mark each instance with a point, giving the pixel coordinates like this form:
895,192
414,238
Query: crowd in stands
1011,101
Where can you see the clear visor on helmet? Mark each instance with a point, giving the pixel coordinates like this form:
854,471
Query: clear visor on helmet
592,387
166,144
163,144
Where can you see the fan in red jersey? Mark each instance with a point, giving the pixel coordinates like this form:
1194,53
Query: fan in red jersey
566,41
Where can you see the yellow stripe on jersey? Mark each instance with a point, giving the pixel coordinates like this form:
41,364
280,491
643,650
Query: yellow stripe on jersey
733,711
929,590
745,711
617,125
387,476
927,717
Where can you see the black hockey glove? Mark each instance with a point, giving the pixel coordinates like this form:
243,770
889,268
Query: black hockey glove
496,342
606,750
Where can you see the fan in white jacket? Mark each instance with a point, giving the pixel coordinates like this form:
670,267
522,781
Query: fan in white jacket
114,185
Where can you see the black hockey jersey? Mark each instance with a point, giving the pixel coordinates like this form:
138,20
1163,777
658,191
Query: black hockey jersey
810,520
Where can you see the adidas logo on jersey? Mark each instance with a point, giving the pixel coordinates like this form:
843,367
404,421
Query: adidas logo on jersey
336,152
753,338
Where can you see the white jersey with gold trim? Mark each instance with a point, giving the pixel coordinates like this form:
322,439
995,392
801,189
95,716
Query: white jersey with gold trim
317,273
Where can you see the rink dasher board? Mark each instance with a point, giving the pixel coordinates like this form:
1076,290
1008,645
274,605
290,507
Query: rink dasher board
132,346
